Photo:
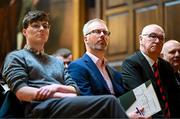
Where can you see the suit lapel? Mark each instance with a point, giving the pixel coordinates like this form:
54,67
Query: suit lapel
112,77
94,70
110,72
146,67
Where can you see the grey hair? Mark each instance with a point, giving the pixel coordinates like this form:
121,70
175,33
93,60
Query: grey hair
86,26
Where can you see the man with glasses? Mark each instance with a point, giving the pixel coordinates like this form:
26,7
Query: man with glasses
91,72
43,85
146,65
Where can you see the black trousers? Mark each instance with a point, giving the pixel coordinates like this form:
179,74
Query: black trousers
106,106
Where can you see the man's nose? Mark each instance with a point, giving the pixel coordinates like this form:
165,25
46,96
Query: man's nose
41,27
102,33
177,53
158,39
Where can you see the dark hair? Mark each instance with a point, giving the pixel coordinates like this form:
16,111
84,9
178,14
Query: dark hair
64,52
33,16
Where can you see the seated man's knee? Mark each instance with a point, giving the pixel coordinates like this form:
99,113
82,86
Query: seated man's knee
111,98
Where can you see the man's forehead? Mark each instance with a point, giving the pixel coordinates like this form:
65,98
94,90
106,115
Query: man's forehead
97,25
172,47
175,46
152,29
170,44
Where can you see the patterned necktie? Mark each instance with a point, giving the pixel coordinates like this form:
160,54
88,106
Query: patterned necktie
162,92
102,67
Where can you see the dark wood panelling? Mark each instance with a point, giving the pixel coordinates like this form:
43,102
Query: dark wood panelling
132,16
118,25
143,17
115,3
172,20
8,23
135,1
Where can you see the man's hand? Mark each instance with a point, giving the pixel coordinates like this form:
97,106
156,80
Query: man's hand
55,91
138,115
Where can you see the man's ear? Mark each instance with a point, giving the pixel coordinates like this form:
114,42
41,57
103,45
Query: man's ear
24,32
140,38
85,38
161,55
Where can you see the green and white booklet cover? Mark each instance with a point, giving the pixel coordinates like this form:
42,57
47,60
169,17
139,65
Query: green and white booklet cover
142,96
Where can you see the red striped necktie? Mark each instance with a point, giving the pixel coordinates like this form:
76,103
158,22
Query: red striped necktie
162,92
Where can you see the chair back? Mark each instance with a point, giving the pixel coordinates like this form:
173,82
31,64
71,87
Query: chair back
10,106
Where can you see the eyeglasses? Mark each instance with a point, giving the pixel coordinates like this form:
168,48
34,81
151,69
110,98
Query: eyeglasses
98,31
38,25
154,36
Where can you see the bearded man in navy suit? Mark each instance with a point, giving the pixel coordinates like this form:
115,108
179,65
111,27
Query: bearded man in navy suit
87,73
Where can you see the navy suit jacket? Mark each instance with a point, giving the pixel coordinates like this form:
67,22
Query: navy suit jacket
136,70
89,79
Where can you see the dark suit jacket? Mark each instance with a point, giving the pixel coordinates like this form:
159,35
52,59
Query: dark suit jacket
136,70
89,79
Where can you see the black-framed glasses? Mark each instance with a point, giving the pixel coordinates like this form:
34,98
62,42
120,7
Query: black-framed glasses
99,31
154,36
38,25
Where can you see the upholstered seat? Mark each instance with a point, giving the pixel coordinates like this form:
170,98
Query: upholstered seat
10,106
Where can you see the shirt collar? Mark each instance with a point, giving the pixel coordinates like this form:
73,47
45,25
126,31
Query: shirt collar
28,47
94,58
150,61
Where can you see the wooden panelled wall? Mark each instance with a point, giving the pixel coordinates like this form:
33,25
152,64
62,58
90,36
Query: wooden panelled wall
8,23
126,18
